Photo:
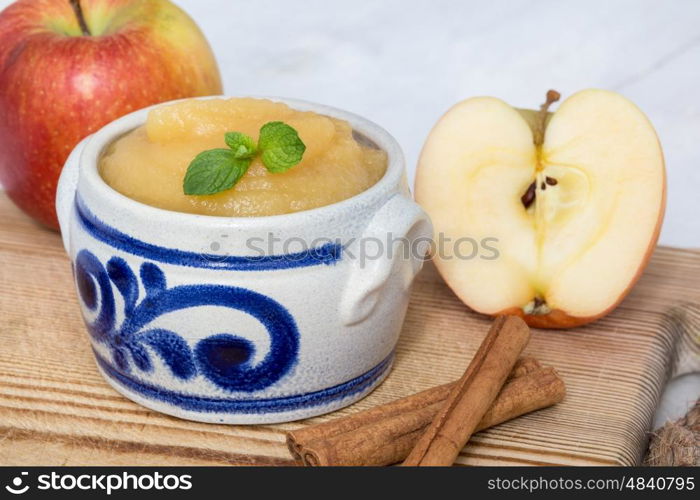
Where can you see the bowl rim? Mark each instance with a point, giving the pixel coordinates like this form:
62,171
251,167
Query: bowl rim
98,141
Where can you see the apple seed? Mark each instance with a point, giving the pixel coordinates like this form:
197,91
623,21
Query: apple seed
529,197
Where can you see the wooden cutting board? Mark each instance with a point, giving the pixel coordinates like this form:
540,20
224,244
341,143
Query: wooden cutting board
55,409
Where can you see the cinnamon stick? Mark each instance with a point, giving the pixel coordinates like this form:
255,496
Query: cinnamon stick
472,395
312,439
388,440
523,366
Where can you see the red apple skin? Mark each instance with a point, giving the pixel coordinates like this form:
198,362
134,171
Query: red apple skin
57,86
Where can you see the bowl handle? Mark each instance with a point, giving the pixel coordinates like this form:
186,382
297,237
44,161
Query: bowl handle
65,191
390,244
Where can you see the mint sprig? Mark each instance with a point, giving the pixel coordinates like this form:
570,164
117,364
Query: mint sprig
216,170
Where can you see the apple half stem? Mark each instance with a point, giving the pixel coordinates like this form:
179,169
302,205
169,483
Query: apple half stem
552,97
530,194
81,18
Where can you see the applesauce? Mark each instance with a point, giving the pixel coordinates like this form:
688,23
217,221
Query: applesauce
149,163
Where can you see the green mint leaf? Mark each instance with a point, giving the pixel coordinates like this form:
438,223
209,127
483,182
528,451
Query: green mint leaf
281,146
243,145
213,171
217,170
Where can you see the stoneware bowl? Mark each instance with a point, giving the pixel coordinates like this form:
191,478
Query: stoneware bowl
189,318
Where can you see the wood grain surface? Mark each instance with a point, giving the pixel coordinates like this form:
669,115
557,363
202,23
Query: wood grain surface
55,408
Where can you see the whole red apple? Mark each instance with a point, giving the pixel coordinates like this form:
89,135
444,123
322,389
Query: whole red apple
68,67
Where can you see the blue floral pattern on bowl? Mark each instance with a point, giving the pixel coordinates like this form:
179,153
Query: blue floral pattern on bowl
223,358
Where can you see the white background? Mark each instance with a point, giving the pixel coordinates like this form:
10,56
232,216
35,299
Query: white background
402,63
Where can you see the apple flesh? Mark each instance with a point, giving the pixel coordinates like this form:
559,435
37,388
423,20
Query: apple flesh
59,84
575,200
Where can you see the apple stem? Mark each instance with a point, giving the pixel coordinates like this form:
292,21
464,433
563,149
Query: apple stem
81,18
552,97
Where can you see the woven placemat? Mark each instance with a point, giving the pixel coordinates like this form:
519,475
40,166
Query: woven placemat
677,443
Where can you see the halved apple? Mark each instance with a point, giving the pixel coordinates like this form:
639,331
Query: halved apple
574,200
